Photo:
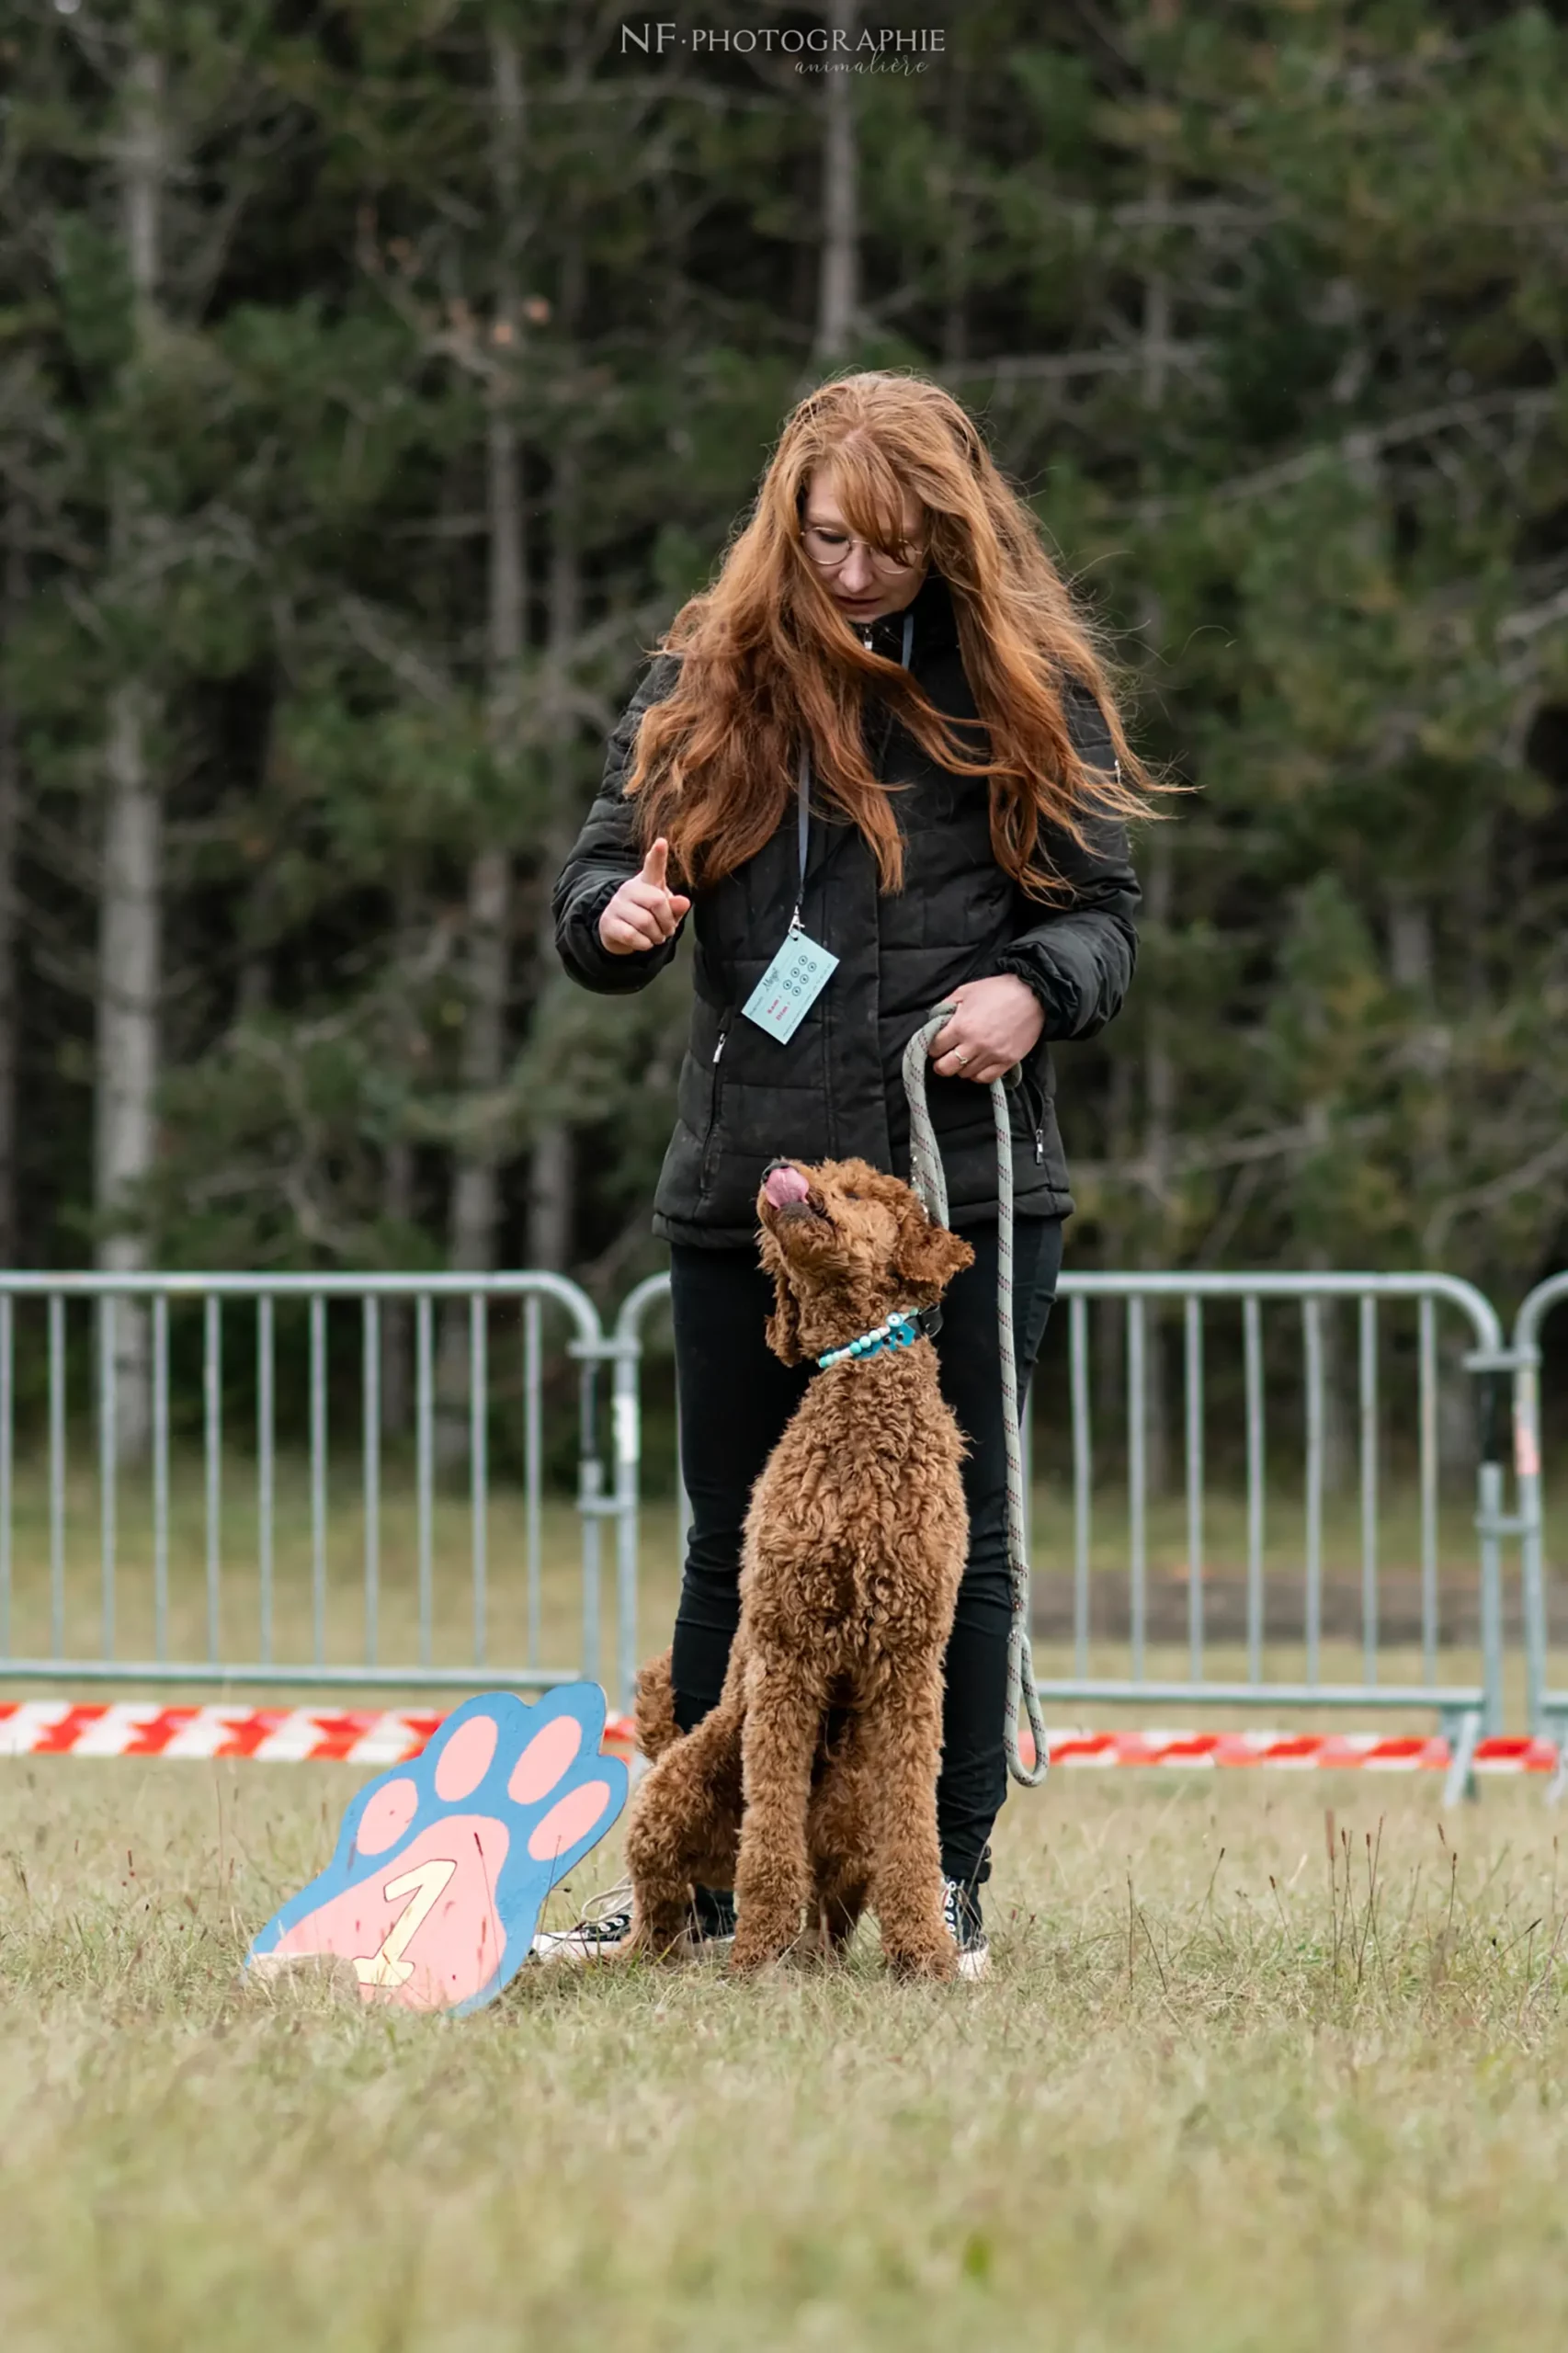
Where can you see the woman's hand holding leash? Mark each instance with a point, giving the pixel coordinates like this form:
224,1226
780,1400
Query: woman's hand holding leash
998,1022
646,911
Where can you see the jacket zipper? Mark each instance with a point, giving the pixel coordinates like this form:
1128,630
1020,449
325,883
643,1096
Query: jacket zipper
1032,1098
710,1142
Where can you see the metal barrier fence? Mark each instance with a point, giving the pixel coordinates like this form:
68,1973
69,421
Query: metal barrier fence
284,1640
1548,1707
1468,1708
197,1634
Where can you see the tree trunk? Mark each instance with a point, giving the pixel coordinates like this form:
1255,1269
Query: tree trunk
131,890
474,1209
550,1233
1159,1070
552,1162
13,591
397,1317
960,239
838,286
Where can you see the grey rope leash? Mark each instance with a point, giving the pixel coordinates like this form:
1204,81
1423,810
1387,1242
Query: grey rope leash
931,1184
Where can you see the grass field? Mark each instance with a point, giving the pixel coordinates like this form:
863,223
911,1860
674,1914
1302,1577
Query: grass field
1214,2097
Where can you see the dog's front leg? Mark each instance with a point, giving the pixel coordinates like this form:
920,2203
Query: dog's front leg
904,1746
772,1882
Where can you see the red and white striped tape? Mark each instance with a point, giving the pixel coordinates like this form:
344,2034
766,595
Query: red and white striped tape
1298,1751
389,1736
276,1735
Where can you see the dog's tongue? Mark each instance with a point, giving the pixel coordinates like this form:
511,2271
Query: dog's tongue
783,1185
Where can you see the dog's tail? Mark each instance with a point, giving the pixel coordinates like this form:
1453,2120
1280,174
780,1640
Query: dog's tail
656,1707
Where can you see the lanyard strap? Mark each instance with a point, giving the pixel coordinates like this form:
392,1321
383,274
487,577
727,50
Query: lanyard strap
803,782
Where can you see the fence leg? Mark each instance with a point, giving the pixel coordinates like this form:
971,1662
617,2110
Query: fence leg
1461,1730
627,1433
1491,1369
1554,1725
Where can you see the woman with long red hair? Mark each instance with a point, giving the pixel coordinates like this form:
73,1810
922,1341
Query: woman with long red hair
885,742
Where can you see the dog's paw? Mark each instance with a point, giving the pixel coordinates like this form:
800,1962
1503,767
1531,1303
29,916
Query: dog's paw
443,1864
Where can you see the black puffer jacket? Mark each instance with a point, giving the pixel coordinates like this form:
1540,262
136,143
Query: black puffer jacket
837,1088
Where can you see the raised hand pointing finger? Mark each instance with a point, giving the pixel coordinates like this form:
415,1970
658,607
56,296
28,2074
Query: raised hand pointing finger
644,912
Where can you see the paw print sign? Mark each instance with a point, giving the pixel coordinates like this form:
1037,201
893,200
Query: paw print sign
442,1865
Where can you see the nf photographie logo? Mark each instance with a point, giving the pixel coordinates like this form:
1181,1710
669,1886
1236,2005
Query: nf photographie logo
872,48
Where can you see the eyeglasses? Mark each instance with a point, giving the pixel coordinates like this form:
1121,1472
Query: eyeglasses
830,550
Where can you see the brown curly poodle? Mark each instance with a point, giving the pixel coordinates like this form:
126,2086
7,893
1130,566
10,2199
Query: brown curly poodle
812,1782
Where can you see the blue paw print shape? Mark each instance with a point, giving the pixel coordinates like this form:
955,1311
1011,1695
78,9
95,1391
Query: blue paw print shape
442,1865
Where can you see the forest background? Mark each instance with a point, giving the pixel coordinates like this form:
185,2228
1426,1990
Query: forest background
376,379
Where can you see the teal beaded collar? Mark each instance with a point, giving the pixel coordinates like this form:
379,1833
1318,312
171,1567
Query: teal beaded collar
902,1329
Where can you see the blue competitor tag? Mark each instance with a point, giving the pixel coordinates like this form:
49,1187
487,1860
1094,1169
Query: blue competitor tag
791,986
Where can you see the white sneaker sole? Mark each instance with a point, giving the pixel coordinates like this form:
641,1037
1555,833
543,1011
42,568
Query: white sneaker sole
975,1964
565,1950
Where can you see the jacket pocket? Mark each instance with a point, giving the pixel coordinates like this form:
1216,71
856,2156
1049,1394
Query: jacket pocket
712,1134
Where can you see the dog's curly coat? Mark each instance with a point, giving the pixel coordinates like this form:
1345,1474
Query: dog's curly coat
813,1780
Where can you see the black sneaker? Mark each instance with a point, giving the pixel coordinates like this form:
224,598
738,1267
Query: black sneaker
961,1910
605,1927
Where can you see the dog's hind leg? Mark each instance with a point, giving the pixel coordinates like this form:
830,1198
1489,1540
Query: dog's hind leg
784,1707
903,1752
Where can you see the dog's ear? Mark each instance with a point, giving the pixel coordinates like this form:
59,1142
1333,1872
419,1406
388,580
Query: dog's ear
928,1256
782,1329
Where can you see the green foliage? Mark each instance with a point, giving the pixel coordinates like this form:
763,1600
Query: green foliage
1265,310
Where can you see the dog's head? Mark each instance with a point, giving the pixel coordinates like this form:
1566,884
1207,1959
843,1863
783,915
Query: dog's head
844,1244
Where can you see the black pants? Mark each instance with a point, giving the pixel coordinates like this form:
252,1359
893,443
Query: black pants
735,1398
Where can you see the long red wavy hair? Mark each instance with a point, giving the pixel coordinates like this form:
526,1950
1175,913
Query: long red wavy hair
767,656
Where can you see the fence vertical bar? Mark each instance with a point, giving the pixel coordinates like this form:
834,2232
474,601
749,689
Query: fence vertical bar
161,1477
682,1501
370,1471
1136,1498
590,1493
425,1462
533,1468
1527,1474
1193,1318
1367,1390
56,1475
1427,1408
626,1422
1252,1349
1026,1464
1493,1425
1311,1337
478,1465
1083,1477
108,1434
8,1409
318,1478
265,1471
212,1449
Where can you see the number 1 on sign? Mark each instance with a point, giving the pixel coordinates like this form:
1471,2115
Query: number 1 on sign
388,1967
